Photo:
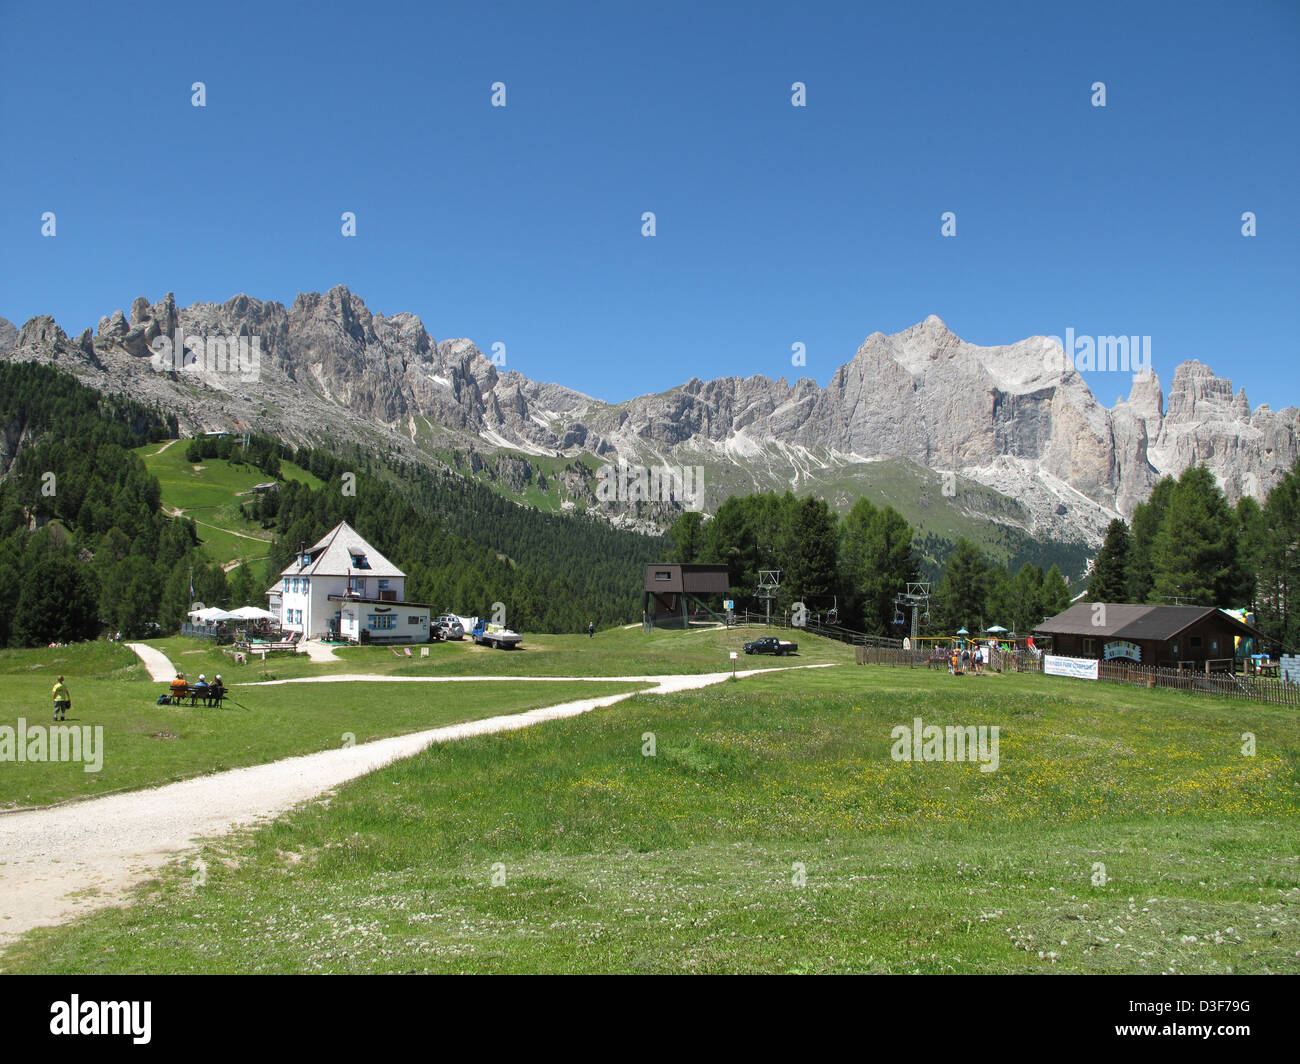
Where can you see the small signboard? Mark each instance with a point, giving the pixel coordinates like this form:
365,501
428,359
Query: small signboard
1121,648
729,604
734,655
1080,668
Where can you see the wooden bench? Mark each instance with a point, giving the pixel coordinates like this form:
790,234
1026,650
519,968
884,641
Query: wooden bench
195,697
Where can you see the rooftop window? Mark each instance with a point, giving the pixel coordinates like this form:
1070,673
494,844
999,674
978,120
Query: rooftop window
359,560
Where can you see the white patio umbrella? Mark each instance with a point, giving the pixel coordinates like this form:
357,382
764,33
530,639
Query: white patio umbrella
253,613
995,628
212,613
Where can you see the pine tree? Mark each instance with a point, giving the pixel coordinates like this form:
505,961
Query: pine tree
1194,557
1110,575
1027,599
1252,533
963,589
888,563
57,602
1278,590
812,554
1055,593
1147,519
243,588
687,537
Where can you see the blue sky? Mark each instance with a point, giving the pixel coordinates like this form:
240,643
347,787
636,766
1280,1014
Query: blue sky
775,224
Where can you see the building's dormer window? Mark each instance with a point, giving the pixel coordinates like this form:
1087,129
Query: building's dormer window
359,561
305,560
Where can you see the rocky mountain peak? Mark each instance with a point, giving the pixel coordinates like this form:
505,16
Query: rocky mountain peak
40,331
1145,399
8,335
1015,417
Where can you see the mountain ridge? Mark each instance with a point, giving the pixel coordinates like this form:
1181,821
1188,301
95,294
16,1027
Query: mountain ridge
1017,418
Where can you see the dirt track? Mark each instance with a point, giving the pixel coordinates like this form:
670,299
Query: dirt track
61,862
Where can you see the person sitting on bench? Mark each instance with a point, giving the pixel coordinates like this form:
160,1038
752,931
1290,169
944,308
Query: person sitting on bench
216,691
179,688
200,691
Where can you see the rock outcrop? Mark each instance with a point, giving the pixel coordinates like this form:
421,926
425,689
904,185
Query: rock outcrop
1017,418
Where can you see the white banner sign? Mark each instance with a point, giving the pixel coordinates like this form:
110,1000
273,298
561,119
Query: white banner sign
1080,668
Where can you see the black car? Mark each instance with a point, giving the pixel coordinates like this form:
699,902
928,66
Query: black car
771,645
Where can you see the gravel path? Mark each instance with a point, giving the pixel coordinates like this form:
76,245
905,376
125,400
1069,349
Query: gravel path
158,663
61,862
318,651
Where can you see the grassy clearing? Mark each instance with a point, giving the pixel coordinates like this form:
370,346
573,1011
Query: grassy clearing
691,860
614,652
147,744
210,493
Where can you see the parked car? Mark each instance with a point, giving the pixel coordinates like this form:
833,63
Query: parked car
771,645
495,635
450,626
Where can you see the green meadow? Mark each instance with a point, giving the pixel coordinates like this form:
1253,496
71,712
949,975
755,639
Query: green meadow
613,652
768,829
210,494
146,744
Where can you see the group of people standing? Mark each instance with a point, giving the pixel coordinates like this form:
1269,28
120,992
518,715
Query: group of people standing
967,659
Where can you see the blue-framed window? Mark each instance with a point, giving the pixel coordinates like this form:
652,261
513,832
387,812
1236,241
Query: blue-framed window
383,585
381,621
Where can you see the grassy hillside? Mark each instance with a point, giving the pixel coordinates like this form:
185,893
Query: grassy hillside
210,493
978,513
1123,831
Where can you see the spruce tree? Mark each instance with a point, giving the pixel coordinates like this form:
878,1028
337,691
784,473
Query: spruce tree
962,589
57,603
1147,519
812,544
1278,591
1194,557
1056,593
687,537
1110,576
1027,599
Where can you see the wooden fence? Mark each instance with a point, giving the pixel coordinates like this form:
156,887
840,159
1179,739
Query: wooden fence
1223,684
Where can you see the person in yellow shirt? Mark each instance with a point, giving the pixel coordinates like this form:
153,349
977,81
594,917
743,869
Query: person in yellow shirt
62,700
